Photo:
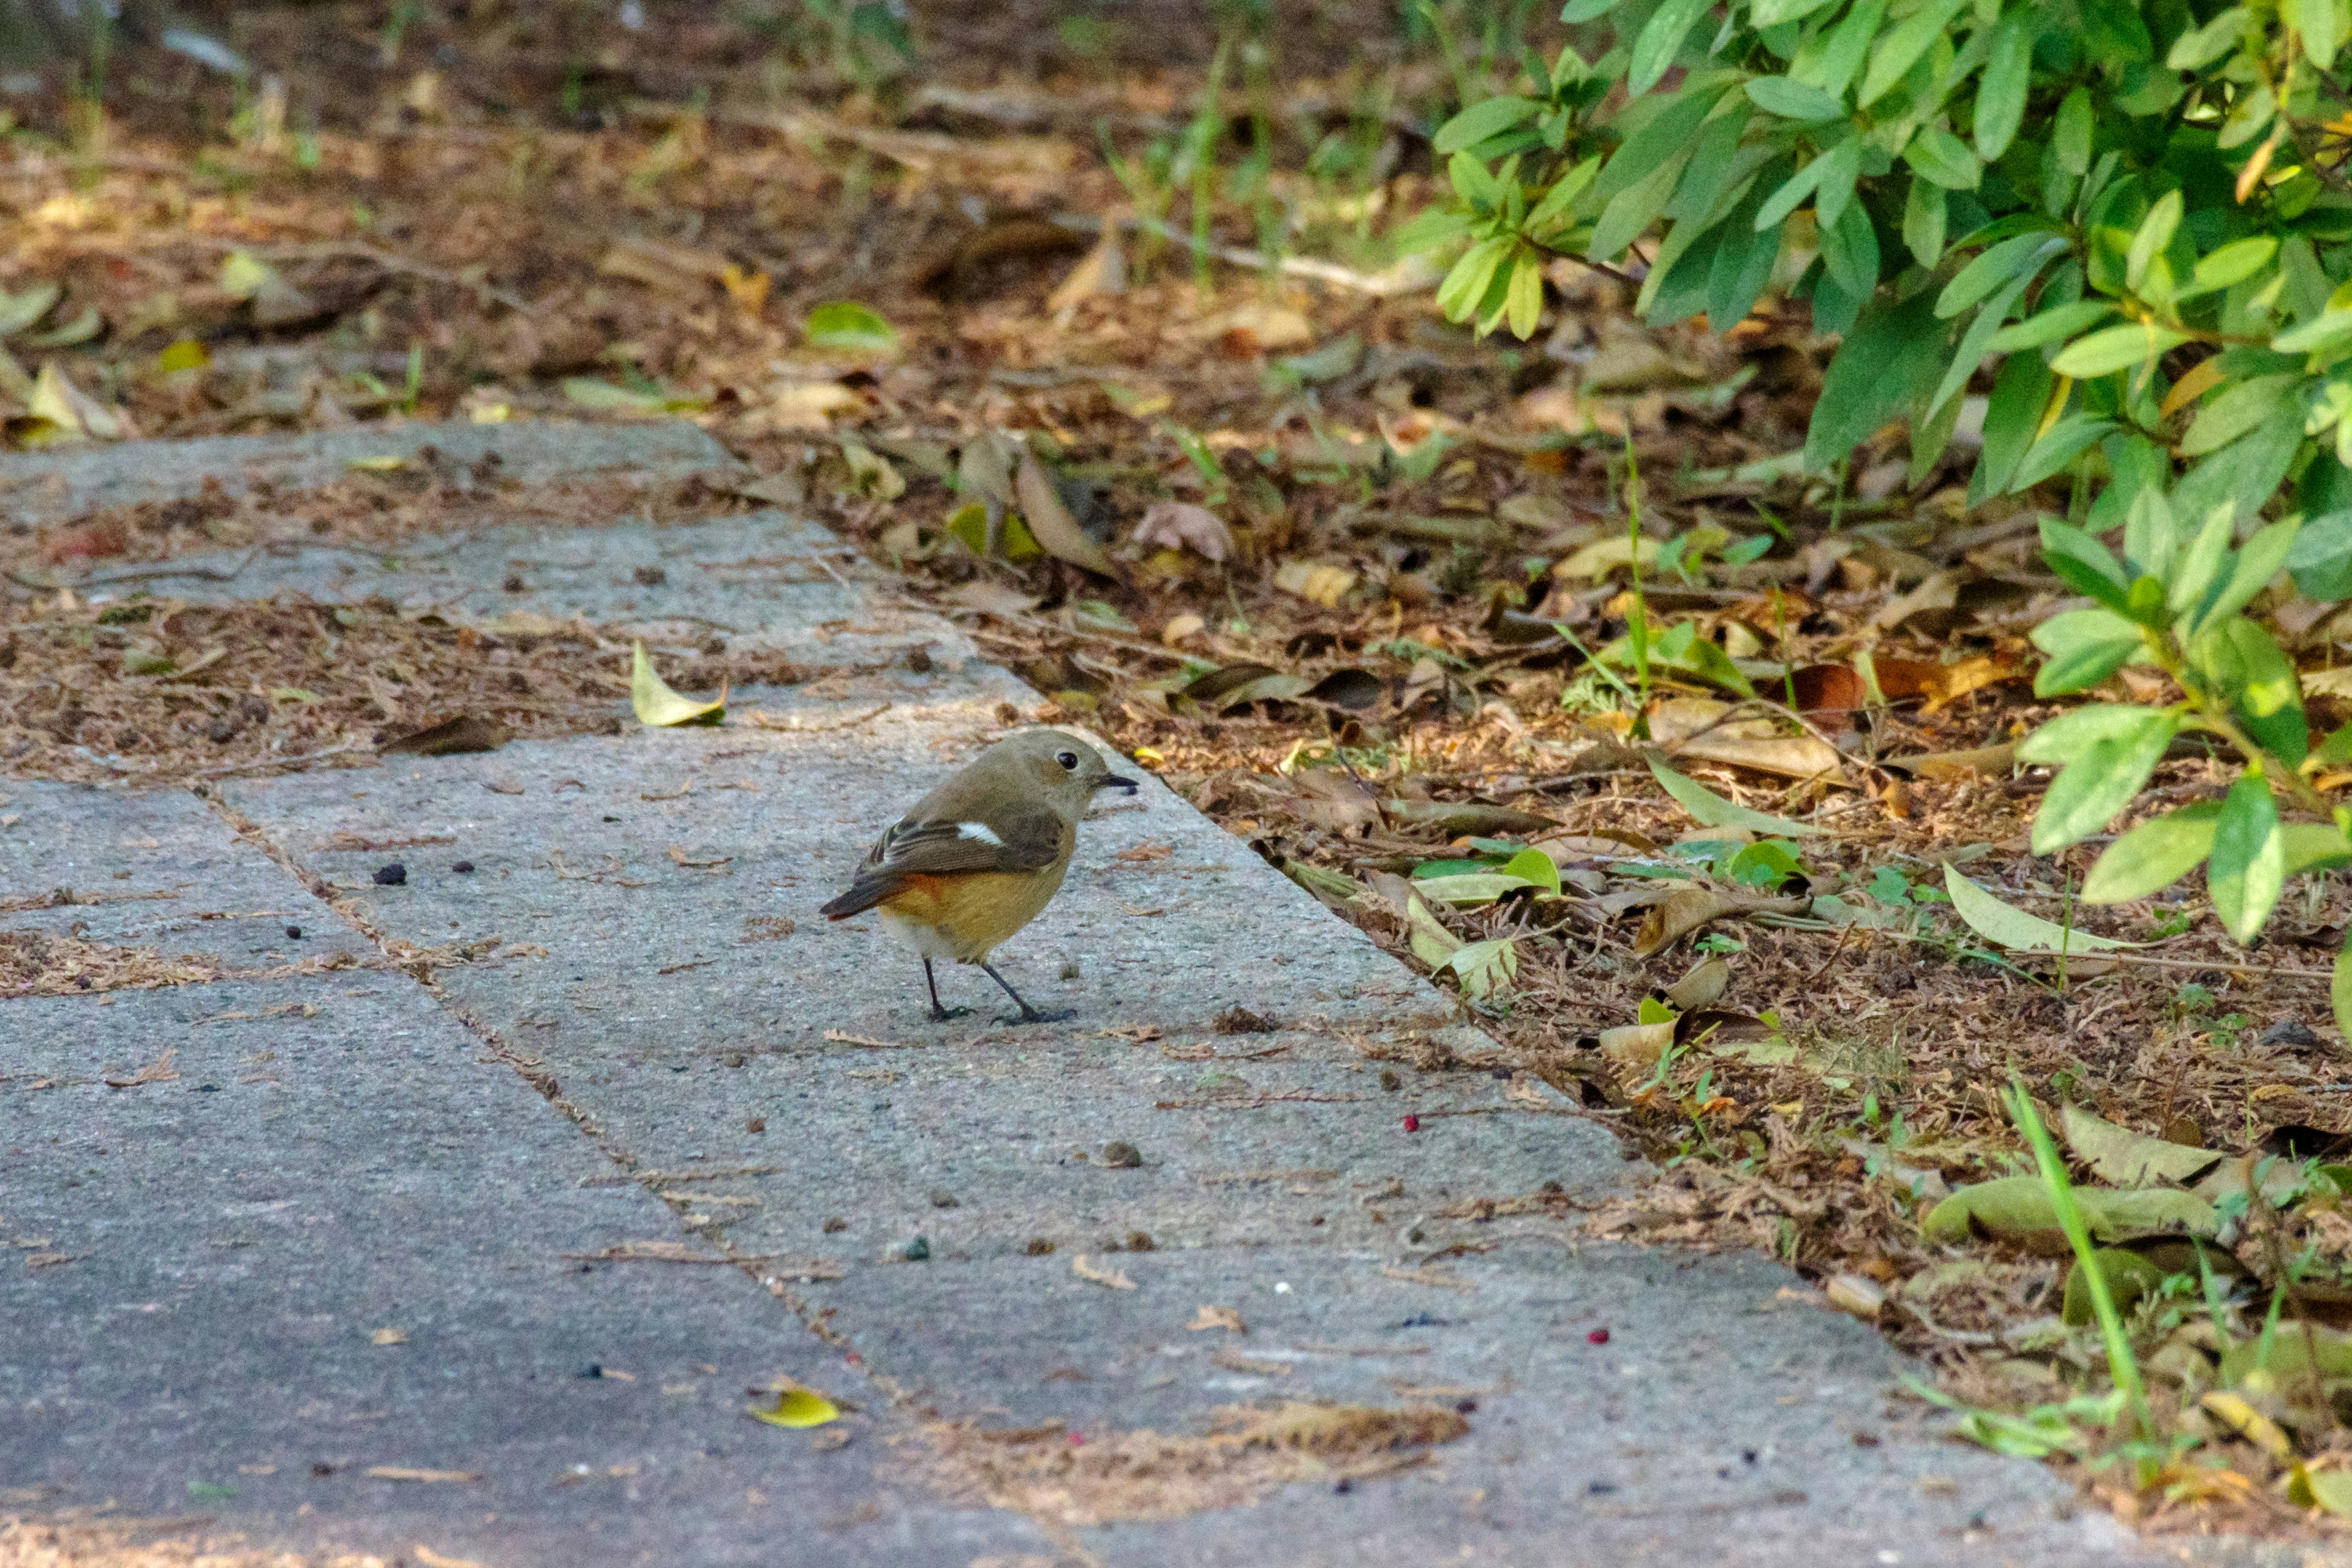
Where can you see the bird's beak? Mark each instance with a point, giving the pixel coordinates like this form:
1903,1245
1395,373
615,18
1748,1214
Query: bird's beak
1115,782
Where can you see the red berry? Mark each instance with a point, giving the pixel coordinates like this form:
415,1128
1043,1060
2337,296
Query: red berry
1597,1337
1412,1124
1078,1439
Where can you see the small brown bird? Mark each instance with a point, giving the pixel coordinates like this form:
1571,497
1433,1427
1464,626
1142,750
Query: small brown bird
977,858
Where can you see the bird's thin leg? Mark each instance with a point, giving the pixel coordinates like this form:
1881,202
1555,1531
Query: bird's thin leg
1028,1015
938,1014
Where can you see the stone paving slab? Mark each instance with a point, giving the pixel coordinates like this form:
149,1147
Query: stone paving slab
157,871
1150,937
1716,1425
210,1260
764,580
671,880
64,482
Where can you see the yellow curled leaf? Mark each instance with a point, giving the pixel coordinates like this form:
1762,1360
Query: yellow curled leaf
798,1407
2247,1422
658,706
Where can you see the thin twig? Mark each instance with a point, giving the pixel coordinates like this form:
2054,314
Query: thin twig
390,261
225,768
1408,277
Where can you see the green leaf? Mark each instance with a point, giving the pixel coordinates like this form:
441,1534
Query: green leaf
2018,1208
1793,100
2153,855
2129,1280
1668,132
2339,989
1850,251
1902,44
2238,409
590,393
1534,866
2231,264
1924,213
2074,732
2101,779
1523,306
1486,968
2314,847
2070,136
657,705
2117,348
2197,567
2320,560
1464,284
2000,94
2058,322
2154,231
1996,265
1469,890
2249,864
1709,809
2323,333
2259,560
1886,360
2262,683
1487,117
1633,210
1941,156
2128,1159
1774,13
2086,566
847,325
1792,191
1975,342
2321,24
2201,46
1553,210
1660,41
2067,439
1435,227
2085,648
2008,927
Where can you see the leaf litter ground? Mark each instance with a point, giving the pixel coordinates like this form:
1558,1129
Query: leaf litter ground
1340,539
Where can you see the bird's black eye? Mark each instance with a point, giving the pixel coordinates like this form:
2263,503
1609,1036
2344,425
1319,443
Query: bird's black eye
1068,759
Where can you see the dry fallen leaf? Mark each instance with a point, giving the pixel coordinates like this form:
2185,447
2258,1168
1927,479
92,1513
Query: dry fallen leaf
432,1559
1111,1277
406,1473
798,1407
389,1337
1102,271
1051,523
1324,585
467,732
161,1070
1217,1318
1180,525
657,706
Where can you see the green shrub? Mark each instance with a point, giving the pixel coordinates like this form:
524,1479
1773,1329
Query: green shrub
2131,215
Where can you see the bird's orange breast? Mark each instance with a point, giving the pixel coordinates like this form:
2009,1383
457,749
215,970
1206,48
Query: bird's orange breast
974,910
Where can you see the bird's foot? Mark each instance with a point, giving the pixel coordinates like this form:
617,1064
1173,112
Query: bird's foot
1031,1016
944,1015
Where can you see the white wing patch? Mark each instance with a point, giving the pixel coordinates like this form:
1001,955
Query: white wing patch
980,830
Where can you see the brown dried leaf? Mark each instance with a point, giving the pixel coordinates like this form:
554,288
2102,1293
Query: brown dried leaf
1180,525
1051,523
467,732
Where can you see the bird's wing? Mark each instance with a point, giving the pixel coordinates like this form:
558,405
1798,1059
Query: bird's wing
1026,837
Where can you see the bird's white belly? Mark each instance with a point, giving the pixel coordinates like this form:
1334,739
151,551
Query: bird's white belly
928,940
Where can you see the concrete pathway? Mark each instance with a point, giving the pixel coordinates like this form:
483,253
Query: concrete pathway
482,1265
